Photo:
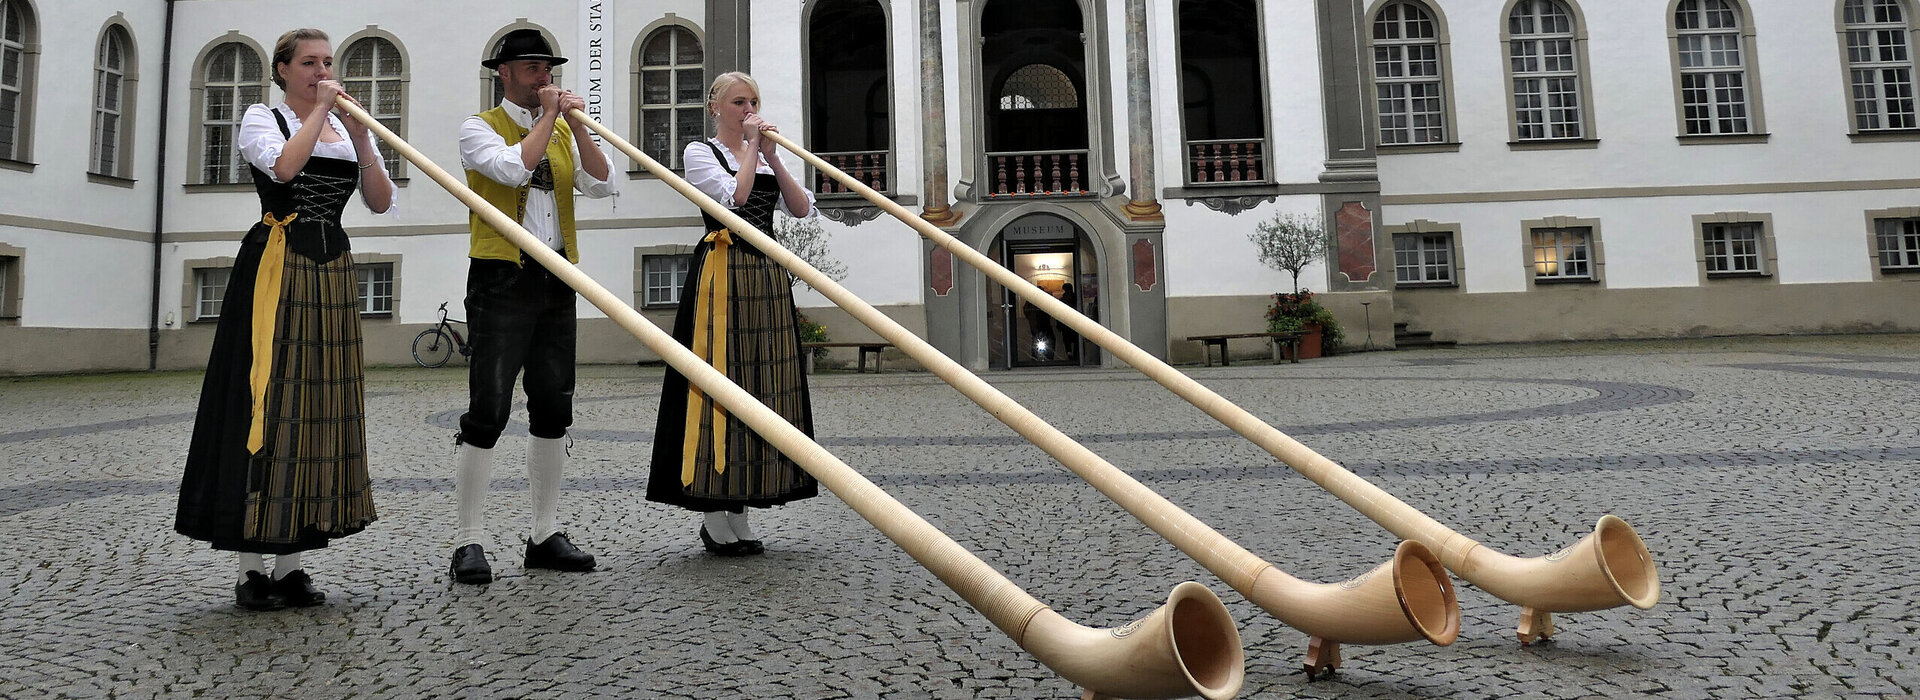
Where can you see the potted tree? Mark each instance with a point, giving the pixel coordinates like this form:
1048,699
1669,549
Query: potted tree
1288,242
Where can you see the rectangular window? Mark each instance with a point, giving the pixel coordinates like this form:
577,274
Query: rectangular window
8,286
665,275
1423,258
1732,248
376,287
212,285
1563,253
1899,244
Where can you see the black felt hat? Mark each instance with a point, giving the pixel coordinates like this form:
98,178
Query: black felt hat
523,45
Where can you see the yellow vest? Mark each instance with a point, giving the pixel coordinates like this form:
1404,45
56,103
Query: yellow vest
487,243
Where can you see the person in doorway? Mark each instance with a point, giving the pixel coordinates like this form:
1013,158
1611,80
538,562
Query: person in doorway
704,458
278,460
1069,338
524,162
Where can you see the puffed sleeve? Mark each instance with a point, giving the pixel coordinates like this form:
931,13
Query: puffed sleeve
707,174
260,139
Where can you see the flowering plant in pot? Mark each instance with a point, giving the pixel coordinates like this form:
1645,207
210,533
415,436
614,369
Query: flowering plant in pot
1300,312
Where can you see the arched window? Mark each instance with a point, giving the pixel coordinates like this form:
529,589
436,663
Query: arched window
1038,87
673,93
232,78
1879,64
1222,92
16,79
1408,75
848,89
1544,60
111,61
374,72
1712,53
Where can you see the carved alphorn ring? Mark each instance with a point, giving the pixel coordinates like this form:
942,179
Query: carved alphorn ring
1188,646
1608,568
1413,600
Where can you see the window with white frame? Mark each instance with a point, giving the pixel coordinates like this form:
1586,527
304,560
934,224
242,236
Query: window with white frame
673,94
16,77
232,80
374,73
1407,78
1714,85
1546,71
1423,258
376,287
665,275
1734,248
109,101
1563,253
1898,244
210,285
1879,64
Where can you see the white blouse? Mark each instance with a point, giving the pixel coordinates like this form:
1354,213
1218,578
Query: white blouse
706,174
261,142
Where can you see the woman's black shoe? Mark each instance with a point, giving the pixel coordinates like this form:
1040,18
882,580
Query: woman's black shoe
258,593
736,548
298,591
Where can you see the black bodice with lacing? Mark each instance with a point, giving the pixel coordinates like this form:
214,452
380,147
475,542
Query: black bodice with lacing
318,193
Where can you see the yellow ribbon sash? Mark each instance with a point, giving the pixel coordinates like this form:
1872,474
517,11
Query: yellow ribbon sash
709,342
266,314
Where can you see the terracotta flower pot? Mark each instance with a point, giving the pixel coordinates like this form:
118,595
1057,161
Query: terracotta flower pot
1310,343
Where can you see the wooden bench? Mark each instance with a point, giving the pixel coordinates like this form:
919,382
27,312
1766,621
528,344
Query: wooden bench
874,348
1288,339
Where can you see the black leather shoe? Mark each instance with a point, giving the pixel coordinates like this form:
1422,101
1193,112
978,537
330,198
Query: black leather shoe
298,591
257,593
736,548
470,565
558,554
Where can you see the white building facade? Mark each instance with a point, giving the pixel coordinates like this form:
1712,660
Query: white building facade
1492,170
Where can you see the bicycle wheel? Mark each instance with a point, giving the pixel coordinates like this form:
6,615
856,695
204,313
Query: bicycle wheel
432,348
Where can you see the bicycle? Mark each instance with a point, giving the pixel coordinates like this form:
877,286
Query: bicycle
434,346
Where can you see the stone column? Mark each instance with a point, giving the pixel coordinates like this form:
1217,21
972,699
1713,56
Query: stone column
1144,205
729,36
933,116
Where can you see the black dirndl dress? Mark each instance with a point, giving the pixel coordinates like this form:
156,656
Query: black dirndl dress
761,331
278,462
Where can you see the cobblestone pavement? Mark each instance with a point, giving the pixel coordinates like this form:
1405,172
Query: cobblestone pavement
1772,478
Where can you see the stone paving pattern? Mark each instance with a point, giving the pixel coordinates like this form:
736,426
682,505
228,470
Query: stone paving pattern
1774,479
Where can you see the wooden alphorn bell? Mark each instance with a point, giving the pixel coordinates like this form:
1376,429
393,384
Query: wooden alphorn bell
1405,599
1188,646
1608,568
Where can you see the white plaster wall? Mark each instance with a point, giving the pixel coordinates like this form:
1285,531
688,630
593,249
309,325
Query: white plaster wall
1802,91
72,281
1294,97
1208,253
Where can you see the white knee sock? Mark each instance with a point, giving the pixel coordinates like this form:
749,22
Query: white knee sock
473,472
251,562
719,529
546,461
285,564
738,521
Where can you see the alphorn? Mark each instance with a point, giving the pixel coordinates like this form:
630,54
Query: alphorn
1188,646
1405,599
1608,568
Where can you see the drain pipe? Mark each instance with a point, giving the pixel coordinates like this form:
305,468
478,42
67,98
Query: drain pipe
160,191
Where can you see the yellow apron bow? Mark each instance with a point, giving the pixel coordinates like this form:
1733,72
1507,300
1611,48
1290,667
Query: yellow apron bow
266,313
710,343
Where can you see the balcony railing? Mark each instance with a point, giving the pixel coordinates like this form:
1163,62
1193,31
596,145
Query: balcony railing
1225,161
869,167
1036,174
